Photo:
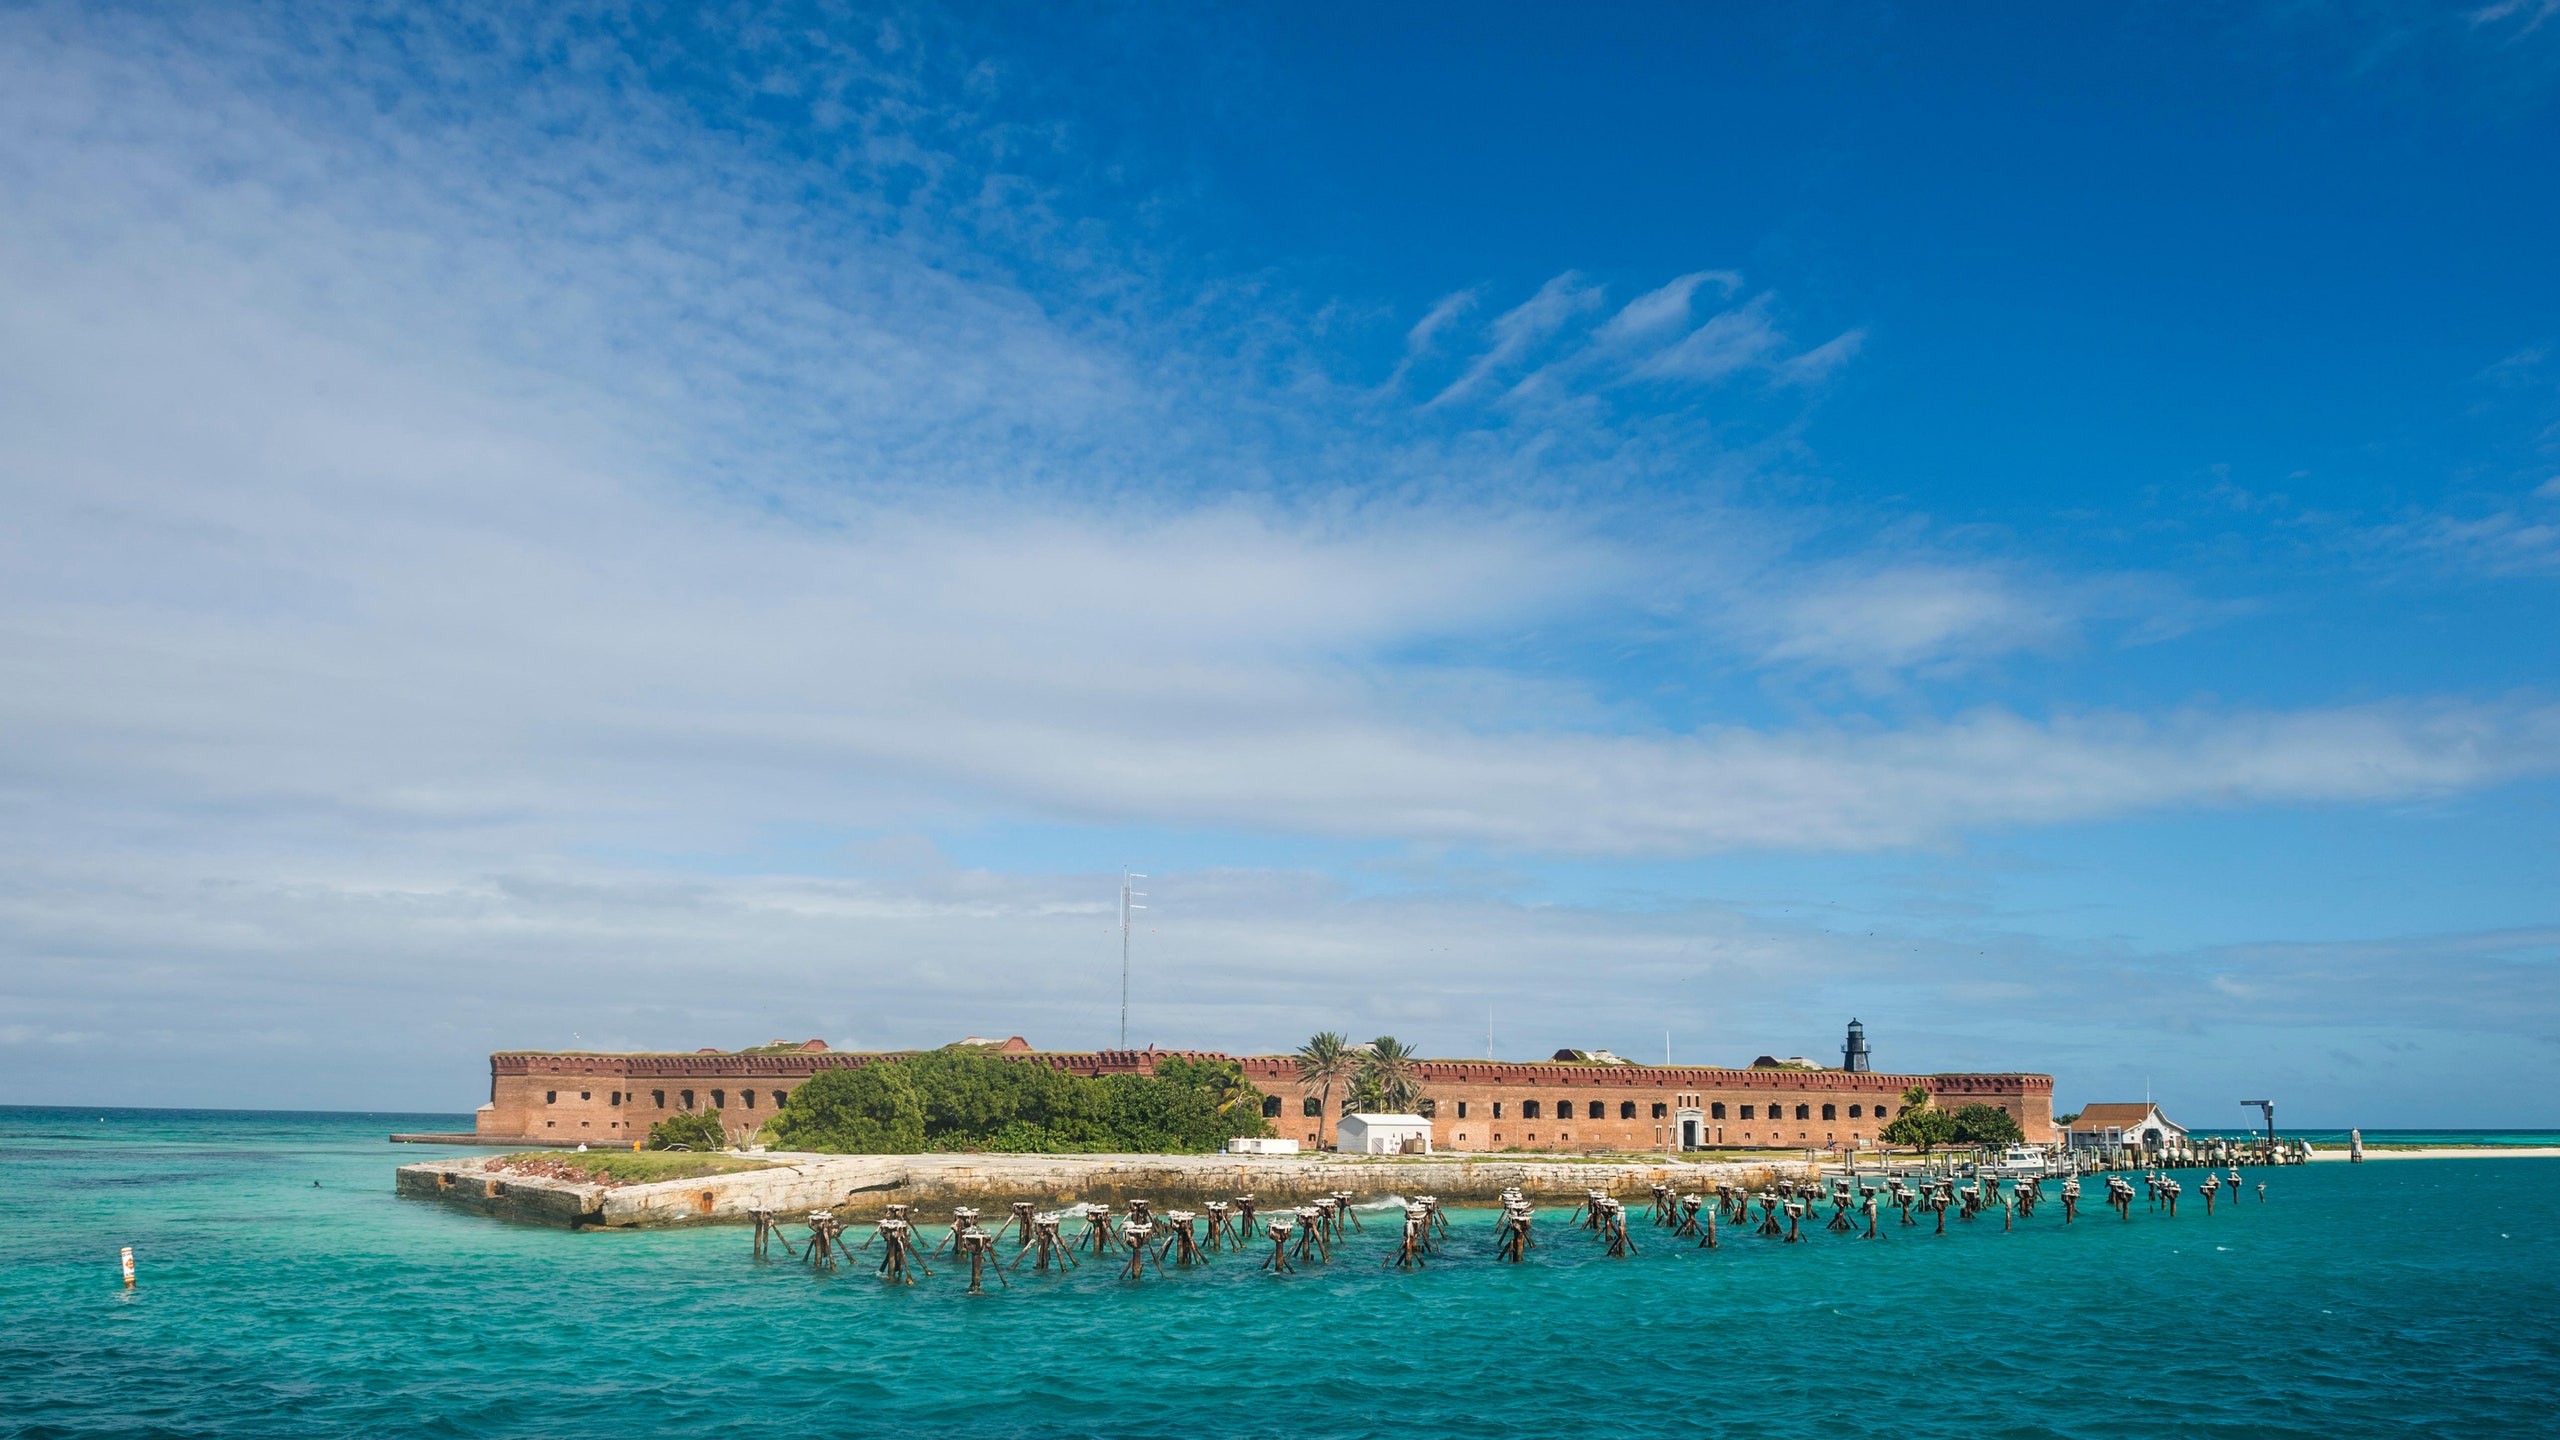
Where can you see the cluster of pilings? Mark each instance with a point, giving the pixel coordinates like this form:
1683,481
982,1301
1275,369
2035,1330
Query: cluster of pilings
1141,1242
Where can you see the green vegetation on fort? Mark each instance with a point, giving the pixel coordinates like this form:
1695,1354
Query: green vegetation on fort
1927,1127
693,1130
964,1098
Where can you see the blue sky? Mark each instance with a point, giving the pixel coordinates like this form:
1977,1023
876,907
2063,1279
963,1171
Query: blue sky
642,529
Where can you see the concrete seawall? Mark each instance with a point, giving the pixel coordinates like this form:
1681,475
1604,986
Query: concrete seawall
857,1186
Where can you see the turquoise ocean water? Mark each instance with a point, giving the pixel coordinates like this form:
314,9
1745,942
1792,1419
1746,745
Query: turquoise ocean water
2394,1298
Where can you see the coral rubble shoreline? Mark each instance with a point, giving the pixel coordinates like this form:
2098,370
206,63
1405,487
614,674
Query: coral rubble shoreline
857,1186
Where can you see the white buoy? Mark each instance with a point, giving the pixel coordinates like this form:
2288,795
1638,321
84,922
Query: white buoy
128,1267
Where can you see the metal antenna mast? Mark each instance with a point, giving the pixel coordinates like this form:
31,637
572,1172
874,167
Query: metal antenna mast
1128,902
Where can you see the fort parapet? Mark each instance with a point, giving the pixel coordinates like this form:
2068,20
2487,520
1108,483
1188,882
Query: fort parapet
565,1098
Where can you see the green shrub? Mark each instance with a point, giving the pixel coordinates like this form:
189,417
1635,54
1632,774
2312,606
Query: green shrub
967,1098
1987,1125
693,1130
1926,1127
868,1110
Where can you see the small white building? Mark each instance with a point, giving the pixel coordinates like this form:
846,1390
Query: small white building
1382,1135
1255,1145
2139,1127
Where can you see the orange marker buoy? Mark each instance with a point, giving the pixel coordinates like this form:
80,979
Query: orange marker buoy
128,1267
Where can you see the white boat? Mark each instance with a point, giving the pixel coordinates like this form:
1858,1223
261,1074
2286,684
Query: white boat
2020,1160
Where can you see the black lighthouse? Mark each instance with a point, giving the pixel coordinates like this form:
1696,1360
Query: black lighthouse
1853,1055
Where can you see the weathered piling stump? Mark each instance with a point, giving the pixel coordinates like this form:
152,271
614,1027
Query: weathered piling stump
979,1248
1217,1233
1179,1238
1277,1262
1342,1199
1614,1239
899,1262
1511,1237
1311,1237
1045,1245
1686,1227
1139,1236
1098,1234
1411,1249
963,1220
822,1240
1244,1221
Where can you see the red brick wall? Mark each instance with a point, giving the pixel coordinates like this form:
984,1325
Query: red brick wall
568,1098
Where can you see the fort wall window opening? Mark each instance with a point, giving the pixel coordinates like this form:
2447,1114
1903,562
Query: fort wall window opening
1804,1112
550,1097
1627,1110
1660,1110
719,1099
1312,1105
1270,1107
661,1097
1528,1109
1716,1111
685,1096
1598,1111
1462,1109
1830,1112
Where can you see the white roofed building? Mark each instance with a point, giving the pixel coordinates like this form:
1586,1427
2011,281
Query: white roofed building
1382,1135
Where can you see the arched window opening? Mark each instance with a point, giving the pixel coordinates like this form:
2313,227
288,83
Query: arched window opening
586,1094
1660,1110
1528,1109
1312,1105
1627,1109
1497,1114
1830,1112
1746,1112
1462,1109
747,1098
685,1096
1716,1111
1599,1110
1804,1112
1270,1107
1428,1109
550,1097
661,1097
1853,1112
781,1098
719,1099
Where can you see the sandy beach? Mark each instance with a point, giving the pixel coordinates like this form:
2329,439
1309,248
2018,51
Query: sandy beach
2451,1152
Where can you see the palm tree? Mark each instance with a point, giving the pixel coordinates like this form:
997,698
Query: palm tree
1324,1062
1391,1076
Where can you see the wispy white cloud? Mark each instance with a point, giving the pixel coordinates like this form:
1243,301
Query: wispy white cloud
1517,331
